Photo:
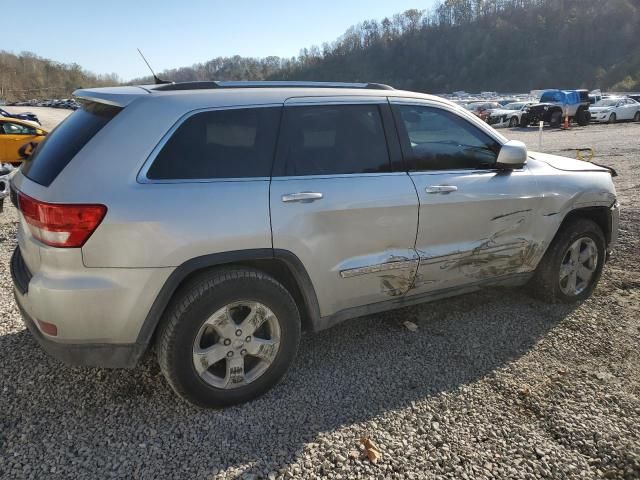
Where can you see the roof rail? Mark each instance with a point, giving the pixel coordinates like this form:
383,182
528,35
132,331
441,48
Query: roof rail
206,85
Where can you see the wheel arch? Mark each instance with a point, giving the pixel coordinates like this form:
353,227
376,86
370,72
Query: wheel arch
600,215
283,265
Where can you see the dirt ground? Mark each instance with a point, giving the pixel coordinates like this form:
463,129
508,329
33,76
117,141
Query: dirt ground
491,385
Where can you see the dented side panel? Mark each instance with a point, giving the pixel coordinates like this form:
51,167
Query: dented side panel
357,242
489,227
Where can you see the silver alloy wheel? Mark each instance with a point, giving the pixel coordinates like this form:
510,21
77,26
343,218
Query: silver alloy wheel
514,122
236,345
578,266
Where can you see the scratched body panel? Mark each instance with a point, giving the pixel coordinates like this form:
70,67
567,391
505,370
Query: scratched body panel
351,242
485,229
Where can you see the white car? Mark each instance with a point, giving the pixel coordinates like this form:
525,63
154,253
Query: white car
508,116
612,109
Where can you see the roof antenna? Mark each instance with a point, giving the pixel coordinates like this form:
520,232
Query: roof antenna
156,80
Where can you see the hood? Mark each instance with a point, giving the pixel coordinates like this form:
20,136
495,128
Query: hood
541,106
567,164
600,109
498,112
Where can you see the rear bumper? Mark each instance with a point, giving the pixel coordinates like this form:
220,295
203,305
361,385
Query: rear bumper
85,354
90,317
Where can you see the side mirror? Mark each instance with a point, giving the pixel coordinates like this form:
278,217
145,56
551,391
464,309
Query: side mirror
513,154
40,132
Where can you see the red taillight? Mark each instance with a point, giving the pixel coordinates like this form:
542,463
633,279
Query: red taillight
59,225
48,328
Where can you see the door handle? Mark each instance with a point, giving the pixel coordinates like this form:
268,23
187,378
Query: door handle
304,197
441,189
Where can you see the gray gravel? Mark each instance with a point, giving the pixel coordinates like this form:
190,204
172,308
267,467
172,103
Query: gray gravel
491,385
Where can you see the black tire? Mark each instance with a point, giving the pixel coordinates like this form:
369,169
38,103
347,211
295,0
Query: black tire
546,283
513,123
524,121
636,117
556,119
194,304
583,117
613,118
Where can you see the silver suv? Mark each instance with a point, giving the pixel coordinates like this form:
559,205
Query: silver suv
216,221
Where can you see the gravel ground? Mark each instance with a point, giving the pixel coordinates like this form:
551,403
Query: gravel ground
491,385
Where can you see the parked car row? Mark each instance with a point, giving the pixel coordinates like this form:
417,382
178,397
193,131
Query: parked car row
552,106
68,103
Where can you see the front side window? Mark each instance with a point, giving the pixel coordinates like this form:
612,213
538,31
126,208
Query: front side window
436,139
237,143
17,129
333,139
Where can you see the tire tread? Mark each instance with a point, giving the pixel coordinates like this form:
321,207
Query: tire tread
184,299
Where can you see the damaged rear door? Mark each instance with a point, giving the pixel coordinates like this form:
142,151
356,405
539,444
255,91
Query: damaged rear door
337,204
476,222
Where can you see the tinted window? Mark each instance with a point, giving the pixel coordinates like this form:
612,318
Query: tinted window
334,139
551,97
66,140
220,144
16,129
440,140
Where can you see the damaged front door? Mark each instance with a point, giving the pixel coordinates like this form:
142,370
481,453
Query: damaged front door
476,222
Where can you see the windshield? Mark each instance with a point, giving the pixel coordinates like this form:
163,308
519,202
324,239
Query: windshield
610,102
551,97
514,106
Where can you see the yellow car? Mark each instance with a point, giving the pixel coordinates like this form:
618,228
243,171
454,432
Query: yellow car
13,135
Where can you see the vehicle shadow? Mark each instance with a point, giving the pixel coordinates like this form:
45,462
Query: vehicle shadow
129,421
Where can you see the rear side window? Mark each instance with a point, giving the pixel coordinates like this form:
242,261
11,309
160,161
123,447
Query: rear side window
333,139
237,143
66,140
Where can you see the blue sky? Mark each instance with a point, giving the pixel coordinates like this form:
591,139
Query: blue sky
103,36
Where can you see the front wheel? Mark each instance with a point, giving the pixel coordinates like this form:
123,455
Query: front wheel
582,117
613,118
556,119
513,123
571,267
228,337
636,118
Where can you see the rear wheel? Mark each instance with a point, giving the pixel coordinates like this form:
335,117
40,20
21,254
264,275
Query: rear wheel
572,265
613,118
524,120
228,337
